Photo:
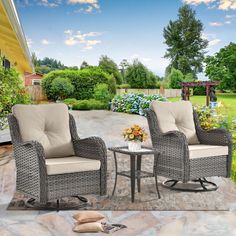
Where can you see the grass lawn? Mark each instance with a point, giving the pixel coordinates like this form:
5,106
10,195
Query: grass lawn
228,100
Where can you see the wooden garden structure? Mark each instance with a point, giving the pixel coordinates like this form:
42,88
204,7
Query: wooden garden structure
210,90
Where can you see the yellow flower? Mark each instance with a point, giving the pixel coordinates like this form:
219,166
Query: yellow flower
129,131
131,136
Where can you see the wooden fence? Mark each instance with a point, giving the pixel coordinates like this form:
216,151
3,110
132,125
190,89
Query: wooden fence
36,93
168,93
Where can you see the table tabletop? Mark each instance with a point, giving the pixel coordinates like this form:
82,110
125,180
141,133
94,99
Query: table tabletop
143,151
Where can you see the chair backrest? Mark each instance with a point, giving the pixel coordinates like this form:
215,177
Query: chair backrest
48,124
172,116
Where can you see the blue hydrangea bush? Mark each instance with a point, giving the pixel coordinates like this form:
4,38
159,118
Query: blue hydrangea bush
134,103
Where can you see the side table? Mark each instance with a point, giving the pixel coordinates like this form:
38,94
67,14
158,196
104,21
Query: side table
135,171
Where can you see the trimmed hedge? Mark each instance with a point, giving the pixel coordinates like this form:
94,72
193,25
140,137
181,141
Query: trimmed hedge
83,81
90,104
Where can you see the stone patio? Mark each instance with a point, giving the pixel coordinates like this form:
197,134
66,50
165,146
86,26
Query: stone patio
108,126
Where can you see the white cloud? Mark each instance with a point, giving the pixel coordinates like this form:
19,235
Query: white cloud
46,42
87,10
230,16
221,4
198,2
228,22
91,5
29,42
217,24
212,39
83,39
214,42
49,3
140,58
227,5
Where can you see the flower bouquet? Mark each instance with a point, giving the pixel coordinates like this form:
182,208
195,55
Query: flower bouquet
135,135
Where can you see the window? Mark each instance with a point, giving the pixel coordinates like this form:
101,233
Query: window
36,82
6,64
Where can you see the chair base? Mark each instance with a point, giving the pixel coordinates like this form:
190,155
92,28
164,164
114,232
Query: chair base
32,203
198,185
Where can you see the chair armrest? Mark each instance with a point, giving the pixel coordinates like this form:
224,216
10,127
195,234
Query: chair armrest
214,136
31,169
176,135
92,147
31,150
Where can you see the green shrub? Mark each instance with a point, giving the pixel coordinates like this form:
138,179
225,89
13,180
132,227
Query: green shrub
123,86
83,81
70,101
11,89
175,77
61,88
199,91
90,104
11,92
101,93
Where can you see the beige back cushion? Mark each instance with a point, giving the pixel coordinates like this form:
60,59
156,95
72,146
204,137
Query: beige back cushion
48,124
176,116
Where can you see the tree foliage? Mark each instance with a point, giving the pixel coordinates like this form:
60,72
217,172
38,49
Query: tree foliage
47,65
185,42
139,76
123,68
110,67
222,67
11,89
175,77
84,65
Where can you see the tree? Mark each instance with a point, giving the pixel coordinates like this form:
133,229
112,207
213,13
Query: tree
185,42
34,59
175,77
222,67
47,65
84,65
188,77
139,76
123,67
109,66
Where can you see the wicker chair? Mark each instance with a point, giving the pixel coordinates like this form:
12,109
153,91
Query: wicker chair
45,179
182,162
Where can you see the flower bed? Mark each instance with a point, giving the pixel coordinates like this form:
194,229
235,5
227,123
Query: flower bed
134,103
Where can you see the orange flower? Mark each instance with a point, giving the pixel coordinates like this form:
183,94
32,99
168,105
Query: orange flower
136,133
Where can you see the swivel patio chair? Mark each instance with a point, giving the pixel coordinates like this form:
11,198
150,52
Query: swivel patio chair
189,153
52,162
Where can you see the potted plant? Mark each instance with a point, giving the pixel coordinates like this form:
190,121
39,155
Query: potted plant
134,135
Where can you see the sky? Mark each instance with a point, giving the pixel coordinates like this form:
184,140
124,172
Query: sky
76,30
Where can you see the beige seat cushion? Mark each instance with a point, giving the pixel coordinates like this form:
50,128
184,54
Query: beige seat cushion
88,216
201,150
56,166
172,116
93,227
48,124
